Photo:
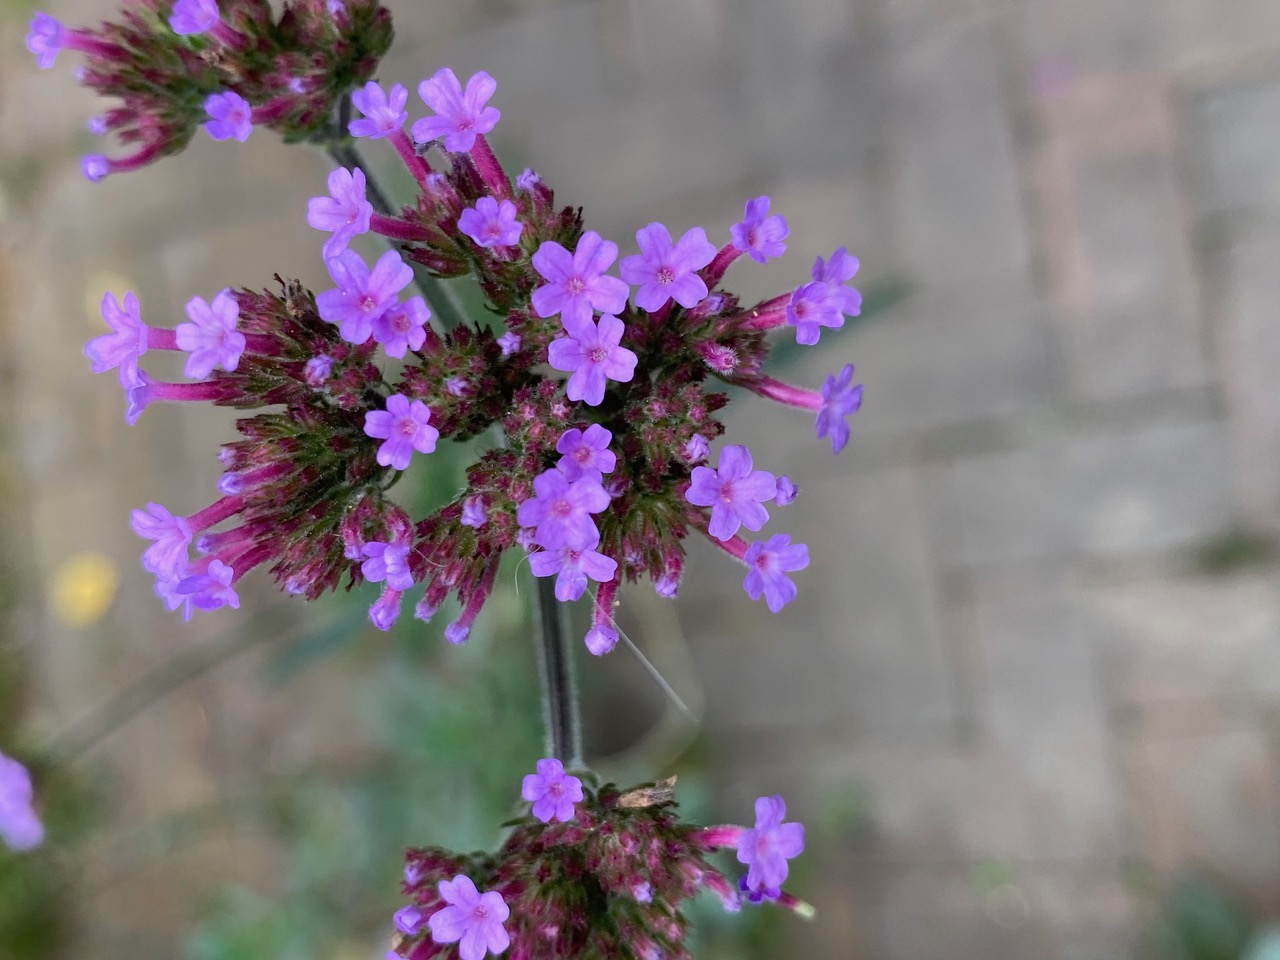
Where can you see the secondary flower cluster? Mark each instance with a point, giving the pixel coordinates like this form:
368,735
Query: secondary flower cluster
602,474
228,66
602,876
20,827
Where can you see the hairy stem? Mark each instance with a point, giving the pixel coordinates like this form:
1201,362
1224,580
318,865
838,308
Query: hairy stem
559,687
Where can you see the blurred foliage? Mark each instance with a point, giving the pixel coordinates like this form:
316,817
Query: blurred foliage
1202,920
1237,550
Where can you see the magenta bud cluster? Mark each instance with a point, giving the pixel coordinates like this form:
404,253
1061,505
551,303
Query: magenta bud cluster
593,874
176,67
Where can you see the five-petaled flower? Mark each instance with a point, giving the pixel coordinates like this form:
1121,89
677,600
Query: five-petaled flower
362,295
576,282
403,427
44,39
760,236
389,562
127,341
167,556
733,491
212,589
768,564
471,919
552,791
383,114
667,271
572,565
403,327
767,847
840,397
592,355
229,116
211,338
586,453
460,116
491,223
191,17
345,212
561,510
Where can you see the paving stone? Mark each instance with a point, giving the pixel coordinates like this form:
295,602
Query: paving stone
1001,510
861,651
959,208
1249,345
1208,800
1234,162
1143,491
1197,639
1116,238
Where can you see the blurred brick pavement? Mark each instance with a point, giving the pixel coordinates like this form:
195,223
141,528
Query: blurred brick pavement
1011,640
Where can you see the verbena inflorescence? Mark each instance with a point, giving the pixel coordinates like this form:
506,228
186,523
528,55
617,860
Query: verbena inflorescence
594,874
598,396
599,475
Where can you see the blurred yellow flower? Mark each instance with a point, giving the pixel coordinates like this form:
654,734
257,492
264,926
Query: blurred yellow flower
82,589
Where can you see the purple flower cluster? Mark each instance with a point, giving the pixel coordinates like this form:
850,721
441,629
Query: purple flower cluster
642,862
227,70
603,470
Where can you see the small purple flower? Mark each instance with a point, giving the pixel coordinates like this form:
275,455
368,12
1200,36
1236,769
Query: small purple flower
459,116
786,491
384,611
586,453
362,296
404,427
383,114
44,39
573,565
20,828
403,327
491,223
666,586
840,397
527,180
666,272
457,387
97,126
474,513
552,792
760,236
210,338
389,562
600,639
94,166
191,17
835,273
124,345
811,308
576,283
509,343
167,557
212,589
733,491
768,564
472,917
696,448
317,370
345,212
229,116
561,510
592,353
767,847
167,590
409,920
456,632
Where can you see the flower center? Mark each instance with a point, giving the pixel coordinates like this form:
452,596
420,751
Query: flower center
666,275
726,491
597,354
752,236
466,123
561,508
556,789
582,455
366,302
408,427
801,308
575,286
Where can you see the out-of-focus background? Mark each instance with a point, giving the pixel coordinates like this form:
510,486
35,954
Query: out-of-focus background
1028,701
